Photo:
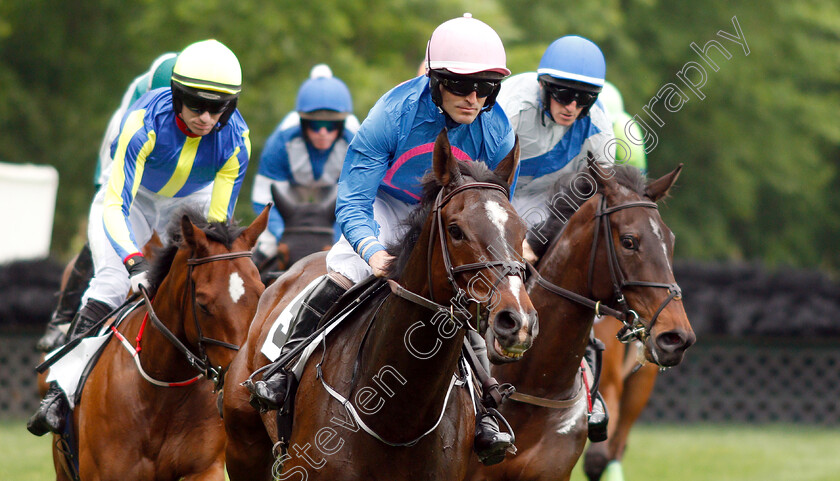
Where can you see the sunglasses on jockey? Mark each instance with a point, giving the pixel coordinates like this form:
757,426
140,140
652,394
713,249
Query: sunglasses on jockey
565,95
464,86
199,105
316,125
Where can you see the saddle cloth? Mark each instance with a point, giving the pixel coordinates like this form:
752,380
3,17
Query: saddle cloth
68,371
280,328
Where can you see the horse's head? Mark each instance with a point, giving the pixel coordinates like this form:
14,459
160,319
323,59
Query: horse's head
308,226
475,242
632,266
215,282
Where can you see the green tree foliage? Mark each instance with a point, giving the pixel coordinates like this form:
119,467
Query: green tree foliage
761,148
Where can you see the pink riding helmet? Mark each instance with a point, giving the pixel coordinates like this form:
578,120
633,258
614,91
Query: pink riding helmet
464,46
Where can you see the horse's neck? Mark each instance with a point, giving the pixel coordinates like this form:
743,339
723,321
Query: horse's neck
406,354
406,358
551,365
159,357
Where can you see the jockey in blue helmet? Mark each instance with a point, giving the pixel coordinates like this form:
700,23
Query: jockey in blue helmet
555,113
304,155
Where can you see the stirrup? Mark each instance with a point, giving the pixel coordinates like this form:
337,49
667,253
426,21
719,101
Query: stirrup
268,395
598,420
499,443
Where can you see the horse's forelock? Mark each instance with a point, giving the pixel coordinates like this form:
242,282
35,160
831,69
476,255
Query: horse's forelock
222,232
564,188
413,225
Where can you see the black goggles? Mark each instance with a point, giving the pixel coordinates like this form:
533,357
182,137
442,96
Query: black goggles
465,86
199,105
316,125
565,95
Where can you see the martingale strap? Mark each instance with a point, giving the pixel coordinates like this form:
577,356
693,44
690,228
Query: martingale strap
555,403
135,351
455,381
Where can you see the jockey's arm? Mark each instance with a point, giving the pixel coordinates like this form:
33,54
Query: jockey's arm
364,168
228,181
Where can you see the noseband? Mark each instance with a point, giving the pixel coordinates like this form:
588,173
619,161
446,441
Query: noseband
200,363
635,327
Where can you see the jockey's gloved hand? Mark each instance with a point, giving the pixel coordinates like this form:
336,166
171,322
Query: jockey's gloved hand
138,273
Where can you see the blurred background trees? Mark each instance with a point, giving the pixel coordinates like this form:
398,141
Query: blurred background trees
762,149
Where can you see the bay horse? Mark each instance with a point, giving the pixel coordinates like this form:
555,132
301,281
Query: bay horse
626,386
613,249
147,414
396,359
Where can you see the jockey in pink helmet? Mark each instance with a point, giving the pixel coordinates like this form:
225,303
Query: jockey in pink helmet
379,184
465,47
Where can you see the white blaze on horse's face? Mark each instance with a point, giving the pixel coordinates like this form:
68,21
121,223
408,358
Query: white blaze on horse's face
658,232
236,287
498,216
515,284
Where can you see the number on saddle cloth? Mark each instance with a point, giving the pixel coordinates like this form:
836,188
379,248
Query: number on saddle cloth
283,327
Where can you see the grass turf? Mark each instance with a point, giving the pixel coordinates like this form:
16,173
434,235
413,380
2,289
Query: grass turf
655,452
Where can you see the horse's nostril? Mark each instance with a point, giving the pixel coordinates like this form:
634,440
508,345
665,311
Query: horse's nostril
673,341
506,322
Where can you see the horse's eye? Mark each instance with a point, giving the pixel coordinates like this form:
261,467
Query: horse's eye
203,308
455,232
629,242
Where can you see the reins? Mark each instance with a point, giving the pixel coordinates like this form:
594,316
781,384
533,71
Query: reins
459,316
635,327
200,363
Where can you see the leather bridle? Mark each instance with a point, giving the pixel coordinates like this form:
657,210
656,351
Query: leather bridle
635,327
200,362
505,268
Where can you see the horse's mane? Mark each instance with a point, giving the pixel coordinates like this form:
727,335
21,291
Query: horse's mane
477,171
625,175
221,232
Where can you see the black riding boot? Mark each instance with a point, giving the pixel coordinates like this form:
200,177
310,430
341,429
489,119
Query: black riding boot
53,409
270,392
69,300
490,443
599,417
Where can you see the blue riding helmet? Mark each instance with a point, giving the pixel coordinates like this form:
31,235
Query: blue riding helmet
573,62
323,97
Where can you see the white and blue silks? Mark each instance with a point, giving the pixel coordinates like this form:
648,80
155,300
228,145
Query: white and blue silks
549,150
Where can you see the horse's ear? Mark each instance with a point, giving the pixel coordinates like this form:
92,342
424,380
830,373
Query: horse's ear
194,237
256,228
284,205
659,188
507,167
445,164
